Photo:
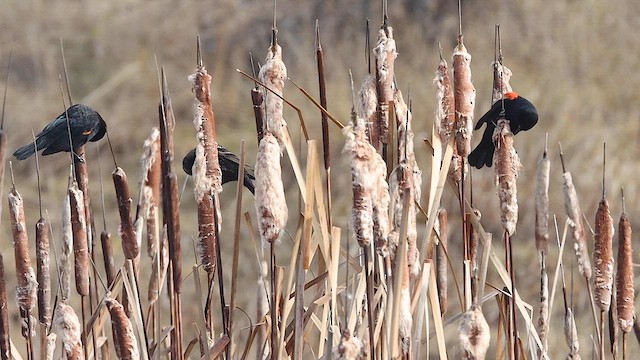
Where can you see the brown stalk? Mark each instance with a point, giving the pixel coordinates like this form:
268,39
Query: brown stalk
171,217
130,246
325,122
5,339
441,259
474,334
67,326
126,341
385,54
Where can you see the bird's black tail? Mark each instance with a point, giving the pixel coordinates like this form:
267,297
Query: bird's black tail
25,152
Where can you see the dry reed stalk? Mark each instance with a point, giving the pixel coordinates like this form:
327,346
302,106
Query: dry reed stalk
3,156
571,335
206,170
273,74
441,259
575,222
171,216
445,103
158,272
270,202
67,325
130,246
43,273
64,266
603,256
5,339
465,98
385,54
543,315
625,297
406,152
473,252
26,288
107,257
150,189
501,77
126,341
474,334
507,167
366,105
542,205
80,246
349,348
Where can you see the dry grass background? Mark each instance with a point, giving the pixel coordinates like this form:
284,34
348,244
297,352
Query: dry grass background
576,60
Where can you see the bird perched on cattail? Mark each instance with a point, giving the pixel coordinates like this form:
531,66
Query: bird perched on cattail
85,124
229,165
520,112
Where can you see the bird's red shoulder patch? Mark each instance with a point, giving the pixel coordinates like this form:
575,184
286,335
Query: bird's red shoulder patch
512,95
87,132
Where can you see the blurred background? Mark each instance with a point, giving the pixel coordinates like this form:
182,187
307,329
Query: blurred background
575,60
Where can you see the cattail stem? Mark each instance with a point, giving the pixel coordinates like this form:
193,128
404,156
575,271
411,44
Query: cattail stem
5,339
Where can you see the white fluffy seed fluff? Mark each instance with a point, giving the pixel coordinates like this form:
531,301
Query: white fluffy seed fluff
270,202
273,74
501,78
574,213
474,334
349,347
67,325
445,109
406,320
385,53
571,333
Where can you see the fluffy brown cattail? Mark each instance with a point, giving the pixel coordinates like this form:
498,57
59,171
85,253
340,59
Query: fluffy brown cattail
27,286
603,256
67,325
625,297
273,74
349,348
465,98
80,246
571,335
542,204
575,222
126,341
366,104
441,259
206,170
445,105
130,247
501,77
5,340
43,274
363,183
385,55
150,189
507,167
270,202
474,334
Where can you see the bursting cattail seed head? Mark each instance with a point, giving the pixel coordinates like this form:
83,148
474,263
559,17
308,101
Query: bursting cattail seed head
273,74
507,167
271,206
67,325
574,213
445,106
474,334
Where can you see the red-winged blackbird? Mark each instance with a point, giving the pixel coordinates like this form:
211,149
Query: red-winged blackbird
229,164
85,125
520,112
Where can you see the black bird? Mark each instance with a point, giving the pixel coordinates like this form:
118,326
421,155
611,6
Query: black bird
229,165
85,125
520,112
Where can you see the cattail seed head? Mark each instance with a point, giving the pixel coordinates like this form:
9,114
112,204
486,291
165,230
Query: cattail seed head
465,99
603,256
273,74
271,205
445,106
542,205
474,334
507,167
625,296
574,213
67,325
